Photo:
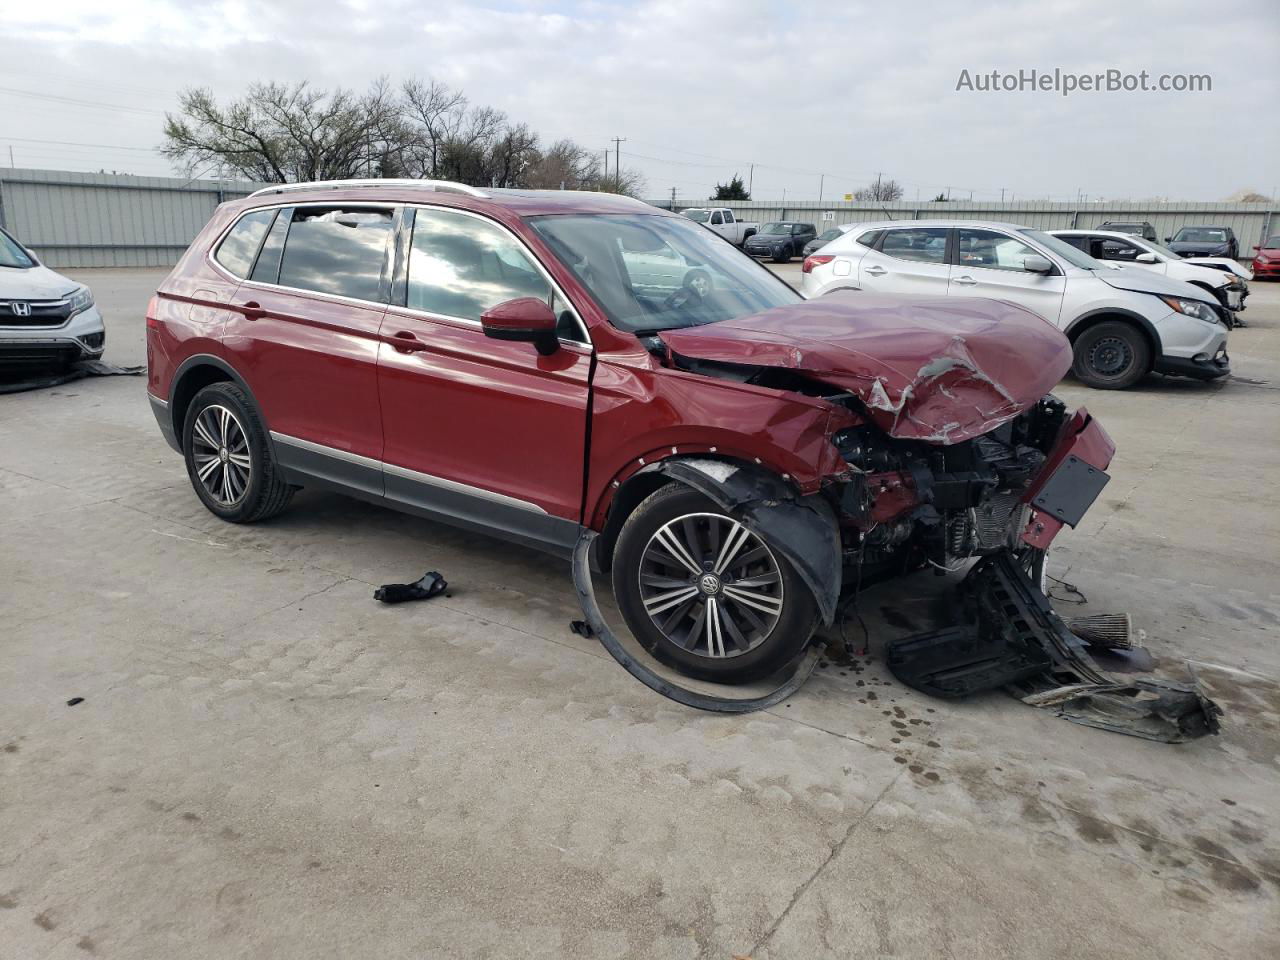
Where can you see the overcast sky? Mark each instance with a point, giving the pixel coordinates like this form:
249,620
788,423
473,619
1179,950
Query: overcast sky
701,89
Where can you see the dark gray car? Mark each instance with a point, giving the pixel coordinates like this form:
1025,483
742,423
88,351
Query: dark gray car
1205,242
781,240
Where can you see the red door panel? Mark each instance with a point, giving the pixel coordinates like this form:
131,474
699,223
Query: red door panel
485,413
311,362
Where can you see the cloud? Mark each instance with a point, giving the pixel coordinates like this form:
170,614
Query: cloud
703,89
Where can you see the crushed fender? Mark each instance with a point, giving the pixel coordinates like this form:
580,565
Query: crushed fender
1009,636
430,585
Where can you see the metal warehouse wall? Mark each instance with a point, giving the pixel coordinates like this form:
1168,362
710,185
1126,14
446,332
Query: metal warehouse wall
115,220
108,220
1252,222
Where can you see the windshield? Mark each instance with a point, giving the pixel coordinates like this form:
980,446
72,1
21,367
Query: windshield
776,228
1273,243
12,254
652,273
1161,249
1200,235
1133,228
698,216
829,235
1073,255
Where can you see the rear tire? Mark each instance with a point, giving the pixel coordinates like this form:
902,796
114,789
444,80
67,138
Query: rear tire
228,456
668,603
1111,355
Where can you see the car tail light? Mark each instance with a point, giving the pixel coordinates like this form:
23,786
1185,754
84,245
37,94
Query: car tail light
816,260
153,322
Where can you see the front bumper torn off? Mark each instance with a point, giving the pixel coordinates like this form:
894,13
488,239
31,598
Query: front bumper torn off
1009,637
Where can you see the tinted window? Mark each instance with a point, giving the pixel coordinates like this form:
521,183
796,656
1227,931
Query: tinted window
728,216
237,250
336,250
994,251
1080,243
928,244
267,267
717,219
869,238
828,235
460,266
1106,248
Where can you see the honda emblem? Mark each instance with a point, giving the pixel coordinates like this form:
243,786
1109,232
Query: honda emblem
21,309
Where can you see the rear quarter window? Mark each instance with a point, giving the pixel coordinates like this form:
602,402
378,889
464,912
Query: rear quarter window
239,247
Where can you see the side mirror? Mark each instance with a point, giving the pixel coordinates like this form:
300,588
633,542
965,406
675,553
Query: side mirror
525,319
1146,258
1037,264
1168,239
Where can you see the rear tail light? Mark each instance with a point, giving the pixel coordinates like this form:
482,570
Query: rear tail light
153,322
816,260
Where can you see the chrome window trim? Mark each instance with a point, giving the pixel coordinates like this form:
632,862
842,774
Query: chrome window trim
259,285
405,473
467,321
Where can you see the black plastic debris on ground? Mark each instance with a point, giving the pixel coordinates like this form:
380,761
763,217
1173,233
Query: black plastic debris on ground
430,585
75,700
1008,636
77,371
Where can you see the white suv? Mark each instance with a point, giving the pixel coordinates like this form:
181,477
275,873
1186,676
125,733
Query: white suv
1122,323
1126,250
46,319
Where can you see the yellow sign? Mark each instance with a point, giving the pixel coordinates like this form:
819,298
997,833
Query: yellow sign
848,197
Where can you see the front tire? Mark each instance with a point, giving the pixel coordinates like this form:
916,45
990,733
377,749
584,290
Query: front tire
704,594
1111,356
229,458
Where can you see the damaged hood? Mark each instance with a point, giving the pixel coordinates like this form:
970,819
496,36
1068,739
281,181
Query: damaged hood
1138,280
938,369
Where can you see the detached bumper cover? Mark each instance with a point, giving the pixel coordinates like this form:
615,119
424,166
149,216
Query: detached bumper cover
1010,637
1071,479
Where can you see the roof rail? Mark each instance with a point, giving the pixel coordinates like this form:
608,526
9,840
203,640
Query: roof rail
445,186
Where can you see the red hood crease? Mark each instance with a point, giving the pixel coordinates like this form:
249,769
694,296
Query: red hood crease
938,369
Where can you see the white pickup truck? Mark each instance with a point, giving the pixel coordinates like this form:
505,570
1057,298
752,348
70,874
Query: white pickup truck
722,221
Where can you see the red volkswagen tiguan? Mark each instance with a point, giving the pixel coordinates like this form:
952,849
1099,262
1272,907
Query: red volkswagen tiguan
536,364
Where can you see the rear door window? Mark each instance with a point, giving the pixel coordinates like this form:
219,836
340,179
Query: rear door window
927,244
460,266
337,250
240,246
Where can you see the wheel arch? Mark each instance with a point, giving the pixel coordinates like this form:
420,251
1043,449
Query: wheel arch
193,375
1140,323
803,528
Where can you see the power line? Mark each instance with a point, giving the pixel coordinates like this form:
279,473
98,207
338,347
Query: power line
75,101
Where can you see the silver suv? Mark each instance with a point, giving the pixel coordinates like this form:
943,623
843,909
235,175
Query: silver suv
1122,323
46,319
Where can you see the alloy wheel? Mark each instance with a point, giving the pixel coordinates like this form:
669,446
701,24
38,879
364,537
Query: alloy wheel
710,585
220,451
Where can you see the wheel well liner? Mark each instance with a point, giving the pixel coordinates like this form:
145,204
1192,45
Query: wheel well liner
802,528
194,374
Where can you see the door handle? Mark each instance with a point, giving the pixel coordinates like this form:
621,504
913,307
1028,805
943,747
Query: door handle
965,281
875,271
252,310
406,342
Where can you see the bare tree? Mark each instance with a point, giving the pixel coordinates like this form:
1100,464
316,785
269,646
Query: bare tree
882,191
566,165
433,112
282,133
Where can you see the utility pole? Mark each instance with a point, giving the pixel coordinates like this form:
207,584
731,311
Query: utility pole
877,185
821,179
673,199
751,178
1002,194
617,161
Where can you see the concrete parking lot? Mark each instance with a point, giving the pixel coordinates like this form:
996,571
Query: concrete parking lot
268,763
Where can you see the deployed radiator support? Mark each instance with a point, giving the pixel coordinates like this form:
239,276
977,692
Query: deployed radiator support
1008,636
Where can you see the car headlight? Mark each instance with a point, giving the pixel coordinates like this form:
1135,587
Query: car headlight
81,299
1192,308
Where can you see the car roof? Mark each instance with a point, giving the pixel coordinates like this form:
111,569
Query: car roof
994,224
1097,231
523,203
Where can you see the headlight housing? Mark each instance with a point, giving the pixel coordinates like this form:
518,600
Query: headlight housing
81,299
1192,308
